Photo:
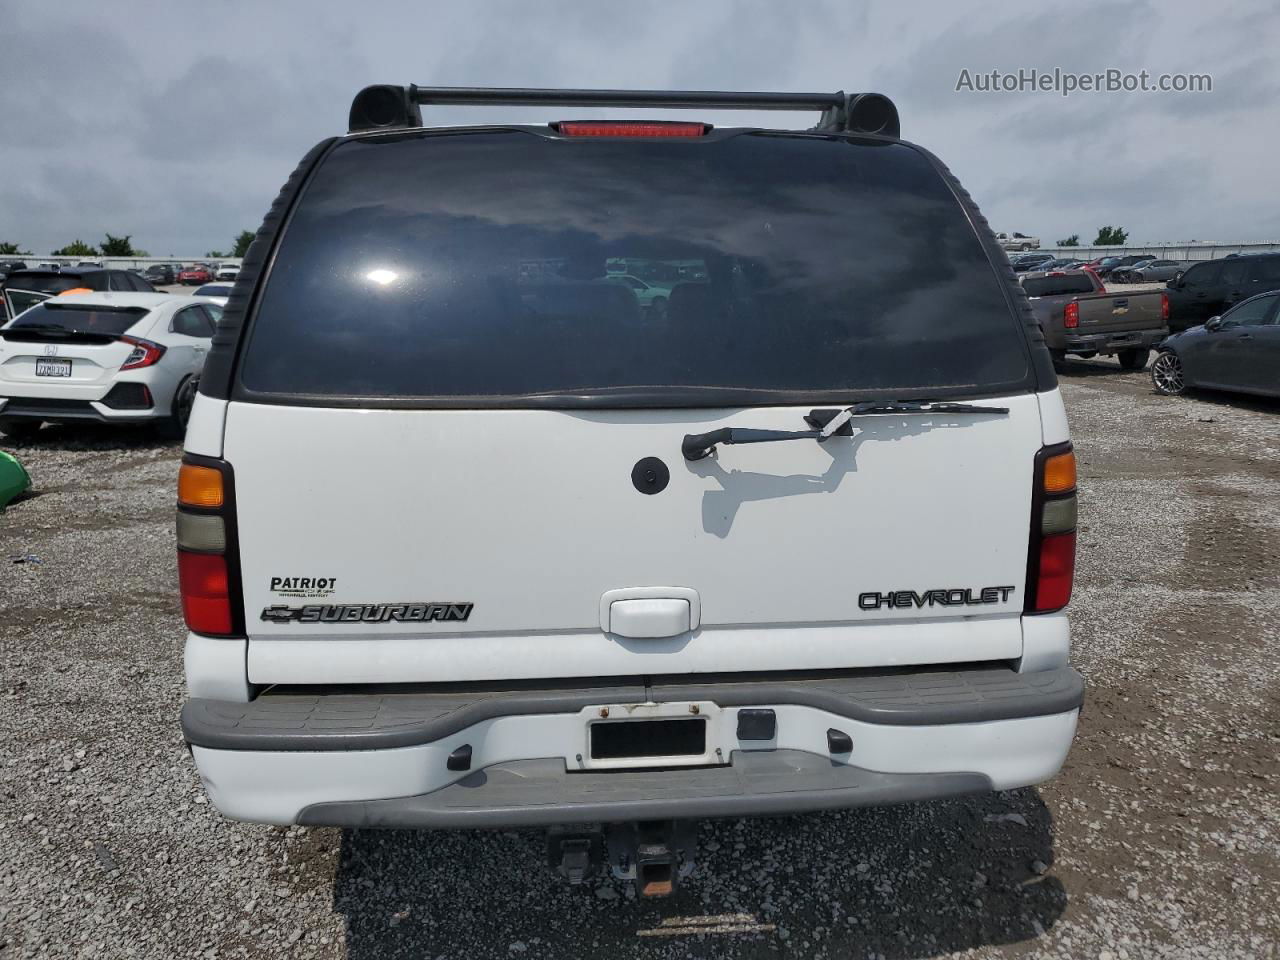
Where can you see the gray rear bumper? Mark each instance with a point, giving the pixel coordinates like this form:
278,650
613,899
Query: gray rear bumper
312,722
537,793
1115,341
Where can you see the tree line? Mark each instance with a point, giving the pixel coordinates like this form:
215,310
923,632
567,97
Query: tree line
114,246
1107,237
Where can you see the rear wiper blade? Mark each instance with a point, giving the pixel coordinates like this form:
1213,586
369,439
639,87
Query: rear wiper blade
871,407
825,424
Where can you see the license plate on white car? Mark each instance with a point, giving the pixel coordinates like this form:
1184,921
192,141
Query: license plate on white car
53,368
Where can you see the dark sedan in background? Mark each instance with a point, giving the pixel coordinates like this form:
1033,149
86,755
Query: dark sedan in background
1122,263
1029,261
1239,350
1123,273
1059,263
160,274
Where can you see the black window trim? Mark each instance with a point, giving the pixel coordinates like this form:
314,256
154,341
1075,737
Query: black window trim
251,283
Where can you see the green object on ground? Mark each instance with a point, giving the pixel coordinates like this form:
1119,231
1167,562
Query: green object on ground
13,478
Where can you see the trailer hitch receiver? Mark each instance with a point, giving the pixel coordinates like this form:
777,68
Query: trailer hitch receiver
655,854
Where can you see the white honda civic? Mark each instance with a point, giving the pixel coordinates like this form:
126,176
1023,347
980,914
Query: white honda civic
107,357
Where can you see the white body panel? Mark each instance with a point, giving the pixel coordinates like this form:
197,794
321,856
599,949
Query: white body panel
1046,642
531,516
421,657
204,429
215,668
1053,418
274,786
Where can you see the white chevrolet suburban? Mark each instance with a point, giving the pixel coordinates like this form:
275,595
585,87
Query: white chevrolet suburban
466,538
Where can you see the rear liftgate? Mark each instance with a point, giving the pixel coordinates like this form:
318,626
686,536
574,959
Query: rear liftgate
656,855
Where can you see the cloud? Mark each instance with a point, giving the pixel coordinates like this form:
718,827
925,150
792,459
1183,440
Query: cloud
181,133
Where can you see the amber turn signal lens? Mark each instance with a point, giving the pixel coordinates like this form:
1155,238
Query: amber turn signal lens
1060,473
199,486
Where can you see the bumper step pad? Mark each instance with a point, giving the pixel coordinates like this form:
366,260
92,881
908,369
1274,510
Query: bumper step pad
297,720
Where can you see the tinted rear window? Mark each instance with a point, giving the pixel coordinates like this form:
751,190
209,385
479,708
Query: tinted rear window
1057,286
477,267
1267,269
110,321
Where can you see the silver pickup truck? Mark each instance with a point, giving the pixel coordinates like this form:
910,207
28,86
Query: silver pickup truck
1078,316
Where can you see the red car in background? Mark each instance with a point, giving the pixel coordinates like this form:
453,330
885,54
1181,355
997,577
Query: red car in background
194,275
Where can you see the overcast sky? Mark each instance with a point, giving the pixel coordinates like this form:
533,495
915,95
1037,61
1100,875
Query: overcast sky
141,118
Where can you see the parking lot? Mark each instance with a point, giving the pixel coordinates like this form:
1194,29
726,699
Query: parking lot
1161,838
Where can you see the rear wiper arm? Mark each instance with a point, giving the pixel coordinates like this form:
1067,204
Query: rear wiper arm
696,446
825,423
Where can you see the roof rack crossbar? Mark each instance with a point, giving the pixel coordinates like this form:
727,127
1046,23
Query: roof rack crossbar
668,99
390,107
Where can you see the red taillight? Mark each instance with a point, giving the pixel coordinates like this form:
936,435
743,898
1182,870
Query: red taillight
1051,553
625,128
1164,306
206,592
208,572
144,354
1057,572
1071,315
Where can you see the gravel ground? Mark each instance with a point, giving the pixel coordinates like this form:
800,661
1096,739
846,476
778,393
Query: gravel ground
1161,838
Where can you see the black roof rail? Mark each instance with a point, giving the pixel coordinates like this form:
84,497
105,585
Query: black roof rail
391,107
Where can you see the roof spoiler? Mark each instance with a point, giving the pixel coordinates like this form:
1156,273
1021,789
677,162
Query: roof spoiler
391,107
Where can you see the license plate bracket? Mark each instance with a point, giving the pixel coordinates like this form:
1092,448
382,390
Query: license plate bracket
638,735
52,367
